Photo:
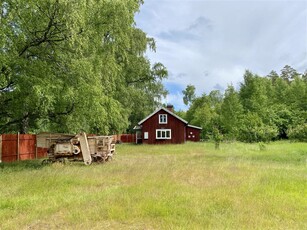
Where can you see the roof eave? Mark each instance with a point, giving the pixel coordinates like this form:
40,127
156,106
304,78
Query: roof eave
195,127
166,110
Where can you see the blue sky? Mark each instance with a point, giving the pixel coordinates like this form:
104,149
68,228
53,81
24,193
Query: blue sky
210,44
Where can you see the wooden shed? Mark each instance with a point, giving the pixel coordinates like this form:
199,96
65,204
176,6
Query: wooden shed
193,133
165,127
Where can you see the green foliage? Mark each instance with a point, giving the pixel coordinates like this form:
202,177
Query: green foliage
252,129
67,66
189,94
203,112
217,137
263,109
254,93
181,114
231,113
298,132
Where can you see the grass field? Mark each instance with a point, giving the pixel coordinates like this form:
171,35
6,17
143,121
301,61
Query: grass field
190,186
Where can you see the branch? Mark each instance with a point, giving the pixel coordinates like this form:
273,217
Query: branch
7,87
140,80
16,121
47,32
68,111
10,83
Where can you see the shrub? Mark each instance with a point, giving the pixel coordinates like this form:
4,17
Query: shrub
252,129
298,132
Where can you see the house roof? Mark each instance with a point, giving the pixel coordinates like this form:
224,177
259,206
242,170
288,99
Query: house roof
195,127
166,110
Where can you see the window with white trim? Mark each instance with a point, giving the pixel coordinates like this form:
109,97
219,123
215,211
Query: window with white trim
163,134
162,118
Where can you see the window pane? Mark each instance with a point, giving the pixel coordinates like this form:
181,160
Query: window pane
162,118
163,133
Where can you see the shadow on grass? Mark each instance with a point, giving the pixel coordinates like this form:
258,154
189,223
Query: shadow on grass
22,165
37,165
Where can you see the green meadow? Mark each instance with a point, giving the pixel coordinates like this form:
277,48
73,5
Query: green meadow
188,186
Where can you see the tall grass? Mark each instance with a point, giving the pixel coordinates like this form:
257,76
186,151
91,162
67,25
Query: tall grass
190,186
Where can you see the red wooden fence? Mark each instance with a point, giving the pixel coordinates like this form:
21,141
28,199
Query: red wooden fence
16,147
126,138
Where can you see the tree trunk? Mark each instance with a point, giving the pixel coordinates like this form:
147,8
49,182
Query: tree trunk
24,126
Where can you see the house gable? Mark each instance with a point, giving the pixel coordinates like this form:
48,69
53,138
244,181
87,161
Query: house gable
166,111
170,131
164,127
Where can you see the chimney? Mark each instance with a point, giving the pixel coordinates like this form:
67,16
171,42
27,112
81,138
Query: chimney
170,108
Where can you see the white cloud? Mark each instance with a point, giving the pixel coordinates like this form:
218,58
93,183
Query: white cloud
211,43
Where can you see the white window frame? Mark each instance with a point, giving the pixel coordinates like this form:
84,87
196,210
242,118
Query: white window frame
164,137
162,118
145,135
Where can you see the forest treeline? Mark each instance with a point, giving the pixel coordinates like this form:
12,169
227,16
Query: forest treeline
263,108
67,66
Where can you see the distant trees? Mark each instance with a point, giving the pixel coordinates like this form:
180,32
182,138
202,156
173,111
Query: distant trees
231,112
67,66
263,109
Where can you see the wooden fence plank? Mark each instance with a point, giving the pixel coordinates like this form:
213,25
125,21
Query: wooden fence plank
27,146
9,147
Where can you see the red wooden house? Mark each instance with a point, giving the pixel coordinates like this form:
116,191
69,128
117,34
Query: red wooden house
165,127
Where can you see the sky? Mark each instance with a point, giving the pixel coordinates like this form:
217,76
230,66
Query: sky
210,44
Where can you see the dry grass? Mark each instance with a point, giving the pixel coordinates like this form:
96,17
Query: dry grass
190,186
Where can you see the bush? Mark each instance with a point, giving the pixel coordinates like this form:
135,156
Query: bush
257,134
298,133
217,137
252,129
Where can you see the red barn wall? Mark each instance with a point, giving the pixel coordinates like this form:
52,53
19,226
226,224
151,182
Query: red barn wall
152,123
193,134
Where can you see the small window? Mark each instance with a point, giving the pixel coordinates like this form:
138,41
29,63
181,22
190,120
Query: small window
163,134
146,135
162,118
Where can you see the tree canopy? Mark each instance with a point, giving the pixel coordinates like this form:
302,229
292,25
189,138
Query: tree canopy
67,66
264,108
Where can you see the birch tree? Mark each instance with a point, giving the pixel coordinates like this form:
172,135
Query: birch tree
64,63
